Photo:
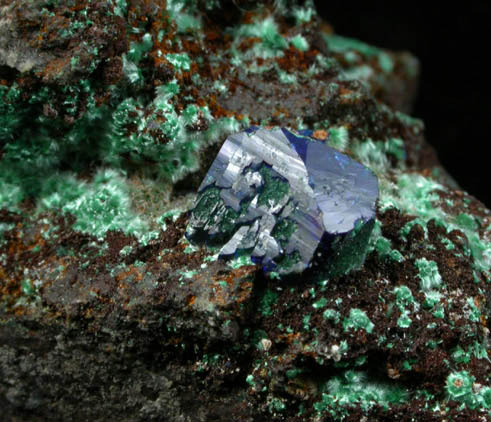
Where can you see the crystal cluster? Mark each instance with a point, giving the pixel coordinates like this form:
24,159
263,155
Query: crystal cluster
287,200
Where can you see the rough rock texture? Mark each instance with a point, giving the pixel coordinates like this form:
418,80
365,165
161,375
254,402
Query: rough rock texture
110,114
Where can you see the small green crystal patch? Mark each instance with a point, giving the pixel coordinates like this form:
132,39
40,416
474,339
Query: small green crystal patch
211,208
356,320
354,388
274,188
283,230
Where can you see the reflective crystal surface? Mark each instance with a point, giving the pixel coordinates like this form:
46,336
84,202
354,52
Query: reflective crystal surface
285,199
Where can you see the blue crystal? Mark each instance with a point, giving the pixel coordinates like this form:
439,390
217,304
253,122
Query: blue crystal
287,200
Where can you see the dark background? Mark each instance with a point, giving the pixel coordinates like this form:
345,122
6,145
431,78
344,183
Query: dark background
453,44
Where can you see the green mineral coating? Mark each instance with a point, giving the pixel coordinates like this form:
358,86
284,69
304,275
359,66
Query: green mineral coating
349,253
180,61
274,189
10,196
407,365
414,122
429,276
288,261
361,73
99,206
283,230
138,50
341,44
382,245
272,43
467,221
287,78
28,287
306,322
211,359
132,72
372,154
243,259
439,312
356,320
459,355
432,297
299,42
250,380
338,138
210,207
404,321
395,146
293,373
433,344
475,312
268,299
331,314
395,255
375,155
257,336
189,249
190,114
277,404
303,14
416,196
171,214
101,133
404,296
125,251
188,274
449,245
360,361
479,350
320,303
183,14
356,388
459,387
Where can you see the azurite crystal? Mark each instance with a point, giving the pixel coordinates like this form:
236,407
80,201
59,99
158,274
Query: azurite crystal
286,199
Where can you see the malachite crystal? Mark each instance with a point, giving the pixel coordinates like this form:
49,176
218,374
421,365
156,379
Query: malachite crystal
287,200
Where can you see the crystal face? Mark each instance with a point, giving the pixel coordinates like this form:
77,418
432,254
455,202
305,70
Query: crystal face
287,200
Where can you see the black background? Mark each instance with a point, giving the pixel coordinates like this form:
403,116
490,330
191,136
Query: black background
453,44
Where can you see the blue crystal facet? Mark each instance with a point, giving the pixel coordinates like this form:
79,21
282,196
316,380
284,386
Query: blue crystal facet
287,200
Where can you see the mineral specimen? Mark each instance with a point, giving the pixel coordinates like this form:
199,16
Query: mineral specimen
285,198
111,113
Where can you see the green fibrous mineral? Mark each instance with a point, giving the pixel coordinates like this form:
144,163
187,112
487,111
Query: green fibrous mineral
283,230
288,261
349,253
274,189
346,45
269,298
210,209
358,319
354,388
428,274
